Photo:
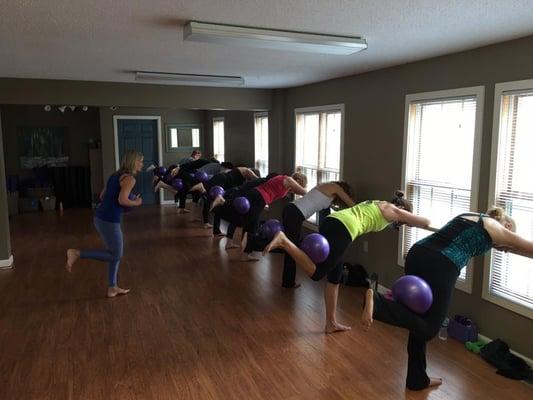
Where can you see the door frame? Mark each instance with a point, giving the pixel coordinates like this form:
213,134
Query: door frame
157,118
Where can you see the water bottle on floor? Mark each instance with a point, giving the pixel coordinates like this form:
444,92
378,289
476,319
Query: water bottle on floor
443,331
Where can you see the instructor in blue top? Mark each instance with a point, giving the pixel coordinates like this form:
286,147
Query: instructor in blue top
115,197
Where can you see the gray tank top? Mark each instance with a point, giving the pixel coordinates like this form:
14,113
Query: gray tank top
312,202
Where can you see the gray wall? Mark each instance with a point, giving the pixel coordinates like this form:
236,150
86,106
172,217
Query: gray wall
81,126
374,125
5,238
41,91
168,116
238,135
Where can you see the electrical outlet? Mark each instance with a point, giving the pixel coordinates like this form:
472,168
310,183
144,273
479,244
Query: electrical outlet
365,246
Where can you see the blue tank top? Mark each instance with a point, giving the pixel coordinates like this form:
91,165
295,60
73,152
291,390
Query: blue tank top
459,240
109,209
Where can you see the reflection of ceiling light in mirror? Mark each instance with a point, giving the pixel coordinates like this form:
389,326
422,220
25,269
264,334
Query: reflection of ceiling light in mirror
47,107
62,108
85,108
72,108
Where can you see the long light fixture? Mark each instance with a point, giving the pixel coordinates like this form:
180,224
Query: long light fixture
189,79
273,39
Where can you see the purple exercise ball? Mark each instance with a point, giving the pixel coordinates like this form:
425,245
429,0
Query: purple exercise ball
413,292
270,228
241,205
201,176
316,247
216,191
131,197
177,184
160,171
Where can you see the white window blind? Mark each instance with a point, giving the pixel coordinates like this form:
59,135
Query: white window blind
318,145
439,161
218,139
261,143
511,276
195,137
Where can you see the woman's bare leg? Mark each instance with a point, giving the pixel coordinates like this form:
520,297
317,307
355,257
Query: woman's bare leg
302,260
331,294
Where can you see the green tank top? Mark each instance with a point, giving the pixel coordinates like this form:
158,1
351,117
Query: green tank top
362,218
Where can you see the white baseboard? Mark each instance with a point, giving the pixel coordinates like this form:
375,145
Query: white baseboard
383,289
6,264
166,202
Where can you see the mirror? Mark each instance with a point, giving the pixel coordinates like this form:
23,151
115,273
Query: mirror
181,137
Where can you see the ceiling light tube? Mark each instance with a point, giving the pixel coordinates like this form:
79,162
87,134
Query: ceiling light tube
190,79
273,39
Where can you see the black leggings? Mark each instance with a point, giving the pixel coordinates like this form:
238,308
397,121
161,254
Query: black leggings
440,274
339,240
292,225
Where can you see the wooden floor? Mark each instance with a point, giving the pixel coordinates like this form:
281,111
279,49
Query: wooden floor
197,325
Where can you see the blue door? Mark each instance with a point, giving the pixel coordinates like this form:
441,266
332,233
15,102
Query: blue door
141,135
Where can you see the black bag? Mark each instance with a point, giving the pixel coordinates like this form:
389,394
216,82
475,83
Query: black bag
497,353
355,275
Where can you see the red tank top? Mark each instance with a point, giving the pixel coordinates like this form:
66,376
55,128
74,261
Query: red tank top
273,189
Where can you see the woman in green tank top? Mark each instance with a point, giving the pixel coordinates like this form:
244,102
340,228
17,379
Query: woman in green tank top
341,229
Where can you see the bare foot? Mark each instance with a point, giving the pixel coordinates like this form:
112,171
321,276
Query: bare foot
219,234
73,255
199,187
249,257
332,327
368,310
207,225
116,291
183,211
279,240
217,202
434,382
230,244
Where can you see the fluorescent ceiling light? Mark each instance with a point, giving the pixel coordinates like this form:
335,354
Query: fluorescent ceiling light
189,79
273,39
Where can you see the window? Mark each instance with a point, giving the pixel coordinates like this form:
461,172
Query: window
509,277
261,143
441,166
218,138
319,143
182,137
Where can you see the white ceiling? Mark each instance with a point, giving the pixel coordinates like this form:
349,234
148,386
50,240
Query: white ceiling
101,40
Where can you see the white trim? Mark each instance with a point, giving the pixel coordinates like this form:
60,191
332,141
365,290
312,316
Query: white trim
159,139
486,339
479,93
7,264
499,90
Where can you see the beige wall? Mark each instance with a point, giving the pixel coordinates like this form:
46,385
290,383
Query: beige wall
168,116
374,125
81,126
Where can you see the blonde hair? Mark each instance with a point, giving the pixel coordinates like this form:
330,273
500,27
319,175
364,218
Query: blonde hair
300,178
499,215
129,159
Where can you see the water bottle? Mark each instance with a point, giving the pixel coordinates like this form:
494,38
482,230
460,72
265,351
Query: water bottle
443,331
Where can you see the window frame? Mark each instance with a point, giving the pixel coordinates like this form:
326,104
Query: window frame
219,119
449,94
262,115
318,109
500,89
